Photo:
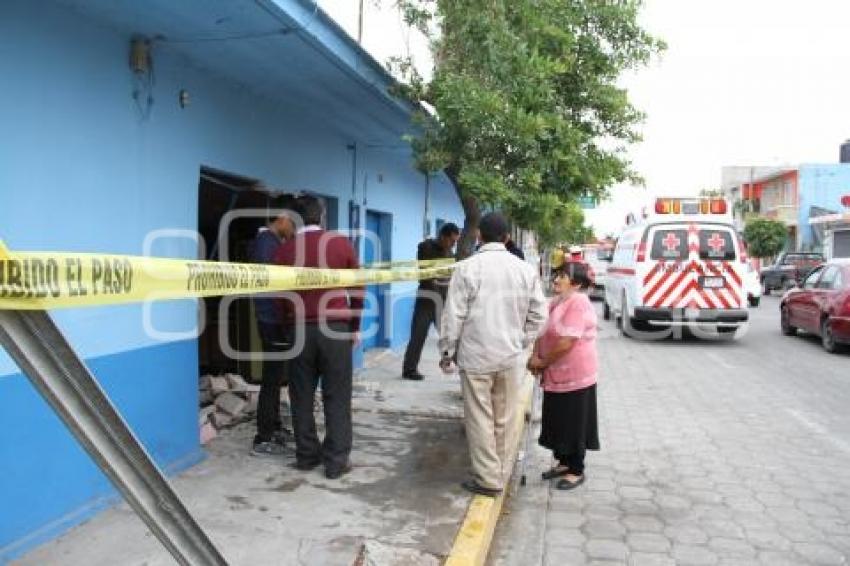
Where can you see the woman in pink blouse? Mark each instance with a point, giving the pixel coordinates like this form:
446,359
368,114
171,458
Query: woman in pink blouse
565,359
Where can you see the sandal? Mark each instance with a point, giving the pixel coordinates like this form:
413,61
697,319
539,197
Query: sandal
566,484
556,472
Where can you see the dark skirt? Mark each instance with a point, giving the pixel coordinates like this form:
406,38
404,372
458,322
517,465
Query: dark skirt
569,423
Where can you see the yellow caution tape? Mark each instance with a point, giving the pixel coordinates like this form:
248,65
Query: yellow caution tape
47,280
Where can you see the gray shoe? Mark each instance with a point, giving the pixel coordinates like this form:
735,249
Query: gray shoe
267,449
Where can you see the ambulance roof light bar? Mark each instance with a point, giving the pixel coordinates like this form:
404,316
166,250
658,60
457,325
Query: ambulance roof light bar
691,206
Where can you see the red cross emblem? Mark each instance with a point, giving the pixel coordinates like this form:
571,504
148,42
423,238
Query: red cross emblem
671,242
716,243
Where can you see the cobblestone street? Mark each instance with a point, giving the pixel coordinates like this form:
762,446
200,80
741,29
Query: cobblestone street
712,453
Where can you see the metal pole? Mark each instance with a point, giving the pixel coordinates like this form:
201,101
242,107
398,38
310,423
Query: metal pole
37,345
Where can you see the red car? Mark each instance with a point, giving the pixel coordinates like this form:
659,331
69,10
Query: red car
821,305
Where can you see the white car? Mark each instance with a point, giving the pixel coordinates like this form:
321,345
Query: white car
598,259
752,284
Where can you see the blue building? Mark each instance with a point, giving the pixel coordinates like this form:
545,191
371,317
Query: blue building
797,196
130,127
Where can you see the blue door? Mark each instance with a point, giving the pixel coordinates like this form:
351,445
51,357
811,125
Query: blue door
376,249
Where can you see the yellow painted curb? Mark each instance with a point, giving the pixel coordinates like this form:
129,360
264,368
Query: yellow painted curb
472,542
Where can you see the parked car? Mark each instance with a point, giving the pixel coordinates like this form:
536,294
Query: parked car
789,270
598,259
821,305
752,284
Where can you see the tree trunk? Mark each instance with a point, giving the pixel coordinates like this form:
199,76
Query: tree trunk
472,215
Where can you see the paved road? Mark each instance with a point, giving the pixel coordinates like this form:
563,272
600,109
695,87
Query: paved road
713,453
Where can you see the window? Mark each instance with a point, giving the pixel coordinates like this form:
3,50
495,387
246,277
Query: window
812,278
670,245
828,280
716,245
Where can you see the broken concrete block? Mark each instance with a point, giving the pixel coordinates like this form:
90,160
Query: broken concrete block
204,382
237,384
219,384
221,420
208,432
206,397
205,413
230,403
253,400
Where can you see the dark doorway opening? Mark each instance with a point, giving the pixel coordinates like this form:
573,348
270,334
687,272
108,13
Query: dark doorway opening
231,210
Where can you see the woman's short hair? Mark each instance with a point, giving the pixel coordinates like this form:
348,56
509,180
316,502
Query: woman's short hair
578,272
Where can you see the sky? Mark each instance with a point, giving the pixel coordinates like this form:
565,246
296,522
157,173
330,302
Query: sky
743,82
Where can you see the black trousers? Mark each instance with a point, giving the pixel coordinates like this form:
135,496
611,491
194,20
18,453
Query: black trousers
424,315
275,339
327,358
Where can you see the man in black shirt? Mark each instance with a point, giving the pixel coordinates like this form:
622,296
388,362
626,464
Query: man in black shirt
429,298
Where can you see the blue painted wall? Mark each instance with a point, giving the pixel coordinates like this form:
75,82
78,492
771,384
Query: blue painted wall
49,482
81,170
821,185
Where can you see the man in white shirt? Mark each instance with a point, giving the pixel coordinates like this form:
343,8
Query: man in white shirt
494,310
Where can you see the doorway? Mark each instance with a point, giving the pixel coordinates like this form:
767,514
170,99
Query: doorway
377,248
220,195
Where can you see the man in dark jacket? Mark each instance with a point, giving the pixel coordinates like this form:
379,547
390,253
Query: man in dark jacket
429,298
326,324
269,440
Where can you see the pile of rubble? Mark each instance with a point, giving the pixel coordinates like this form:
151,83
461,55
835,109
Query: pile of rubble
226,400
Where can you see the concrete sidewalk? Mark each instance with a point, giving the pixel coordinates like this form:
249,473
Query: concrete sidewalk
402,503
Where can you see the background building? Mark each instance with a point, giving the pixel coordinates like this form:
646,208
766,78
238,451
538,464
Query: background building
794,195
130,127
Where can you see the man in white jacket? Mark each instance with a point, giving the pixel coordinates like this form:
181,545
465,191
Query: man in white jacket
494,310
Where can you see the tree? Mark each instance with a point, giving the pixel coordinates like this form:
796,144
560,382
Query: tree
554,221
764,237
527,109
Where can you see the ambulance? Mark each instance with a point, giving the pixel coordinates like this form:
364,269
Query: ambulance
681,264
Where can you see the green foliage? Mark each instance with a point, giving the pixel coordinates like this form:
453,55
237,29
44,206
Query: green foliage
528,106
553,220
764,237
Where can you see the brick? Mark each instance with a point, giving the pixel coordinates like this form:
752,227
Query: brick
648,542
607,550
693,555
219,384
221,420
252,398
731,548
561,555
602,528
643,523
819,553
230,403
208,432
236,383
650,559
204,414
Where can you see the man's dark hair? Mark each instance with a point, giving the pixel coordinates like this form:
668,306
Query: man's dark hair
449,229
493,227
277,204
578,272
310,208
